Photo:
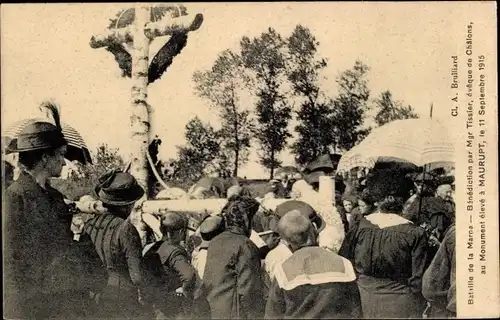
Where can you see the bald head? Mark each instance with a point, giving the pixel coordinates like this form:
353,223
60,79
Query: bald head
297,230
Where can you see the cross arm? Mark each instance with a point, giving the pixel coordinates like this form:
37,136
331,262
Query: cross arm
168,25
109,37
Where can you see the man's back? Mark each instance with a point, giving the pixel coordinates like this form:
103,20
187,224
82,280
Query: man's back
233,266
118,244
314,283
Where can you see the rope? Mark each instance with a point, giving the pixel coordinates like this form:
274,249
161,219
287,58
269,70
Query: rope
155,172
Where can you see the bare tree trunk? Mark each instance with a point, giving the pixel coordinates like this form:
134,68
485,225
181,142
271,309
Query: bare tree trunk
236,136
139,119
272,166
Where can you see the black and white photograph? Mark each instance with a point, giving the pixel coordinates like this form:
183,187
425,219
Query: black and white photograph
238,160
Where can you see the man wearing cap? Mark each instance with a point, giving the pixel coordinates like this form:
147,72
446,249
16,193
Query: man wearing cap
37,231
232,277
209,229
118,243
324,289
172,278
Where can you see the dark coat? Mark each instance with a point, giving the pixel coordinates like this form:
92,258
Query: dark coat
324,289
434,211
118,244
232,277
168,269
390,261
438,285
37,233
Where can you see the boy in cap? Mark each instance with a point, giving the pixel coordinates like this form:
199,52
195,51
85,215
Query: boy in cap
209,228
324,289
172,278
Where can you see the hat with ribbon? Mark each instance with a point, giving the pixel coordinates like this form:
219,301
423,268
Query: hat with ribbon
39,135
303,208
118,188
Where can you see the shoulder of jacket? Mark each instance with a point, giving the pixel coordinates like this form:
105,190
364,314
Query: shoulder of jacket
295,272
18,188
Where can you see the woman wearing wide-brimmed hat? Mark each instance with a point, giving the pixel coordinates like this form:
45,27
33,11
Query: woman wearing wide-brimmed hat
37,232
118,243
389,252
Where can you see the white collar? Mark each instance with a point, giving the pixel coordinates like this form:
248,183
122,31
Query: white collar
385,220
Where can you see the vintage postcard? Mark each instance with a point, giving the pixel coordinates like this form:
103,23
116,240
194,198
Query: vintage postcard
250,160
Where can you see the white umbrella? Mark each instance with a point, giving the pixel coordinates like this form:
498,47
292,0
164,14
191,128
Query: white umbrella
355,158
418,141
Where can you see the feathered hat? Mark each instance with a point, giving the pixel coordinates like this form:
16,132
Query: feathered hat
39,135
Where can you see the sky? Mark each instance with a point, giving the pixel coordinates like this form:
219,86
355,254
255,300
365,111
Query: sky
45,54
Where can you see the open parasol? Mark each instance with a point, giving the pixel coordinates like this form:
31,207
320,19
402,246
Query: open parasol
417,141
77,149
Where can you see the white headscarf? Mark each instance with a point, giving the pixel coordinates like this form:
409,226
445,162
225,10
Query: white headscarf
302,191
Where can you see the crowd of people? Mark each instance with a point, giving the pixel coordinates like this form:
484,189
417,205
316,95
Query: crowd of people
383,248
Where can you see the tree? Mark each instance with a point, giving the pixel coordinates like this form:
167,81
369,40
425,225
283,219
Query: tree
222,86
315,126
350,105
390,110
264,57
201,149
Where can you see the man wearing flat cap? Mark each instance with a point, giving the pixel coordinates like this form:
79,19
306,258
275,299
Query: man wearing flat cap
210,227
118,244
324,289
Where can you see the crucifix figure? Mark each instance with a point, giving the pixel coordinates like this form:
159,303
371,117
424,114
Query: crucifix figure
128,38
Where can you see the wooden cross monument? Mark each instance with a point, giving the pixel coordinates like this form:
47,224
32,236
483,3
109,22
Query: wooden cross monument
128,38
